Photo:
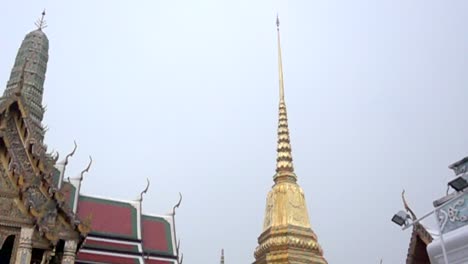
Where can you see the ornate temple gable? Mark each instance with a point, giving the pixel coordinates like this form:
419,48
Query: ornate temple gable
7,188
26,174
10,213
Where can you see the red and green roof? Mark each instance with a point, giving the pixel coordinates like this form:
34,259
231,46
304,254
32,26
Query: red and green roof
109,218
157,235
157,261
114,236
100,258
110,246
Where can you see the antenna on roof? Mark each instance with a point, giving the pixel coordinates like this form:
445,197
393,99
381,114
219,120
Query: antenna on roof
41,23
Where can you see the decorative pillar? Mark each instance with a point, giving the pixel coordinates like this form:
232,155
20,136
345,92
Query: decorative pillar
69,252
24,253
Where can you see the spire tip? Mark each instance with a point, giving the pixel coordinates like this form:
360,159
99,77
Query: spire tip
41,23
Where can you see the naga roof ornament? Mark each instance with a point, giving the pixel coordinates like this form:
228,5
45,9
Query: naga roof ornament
140,199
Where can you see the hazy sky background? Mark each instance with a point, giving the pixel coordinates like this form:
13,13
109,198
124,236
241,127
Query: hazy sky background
185,93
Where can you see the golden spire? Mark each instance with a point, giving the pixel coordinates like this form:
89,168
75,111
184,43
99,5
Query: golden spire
284,161
287,236
280,63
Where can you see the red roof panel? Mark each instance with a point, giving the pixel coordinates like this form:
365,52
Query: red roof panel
109,218
157,236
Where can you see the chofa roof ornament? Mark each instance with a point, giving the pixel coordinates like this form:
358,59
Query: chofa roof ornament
140,199
65,162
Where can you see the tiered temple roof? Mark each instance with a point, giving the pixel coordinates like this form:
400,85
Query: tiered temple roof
120,231
107,230
33,208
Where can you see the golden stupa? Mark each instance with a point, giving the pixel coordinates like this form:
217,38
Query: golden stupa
287,236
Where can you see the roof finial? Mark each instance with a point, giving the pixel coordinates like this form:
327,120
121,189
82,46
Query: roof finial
280,62
41,23
284,165
407,208
145,190
177,205
86,170
277,22
222,256
71,153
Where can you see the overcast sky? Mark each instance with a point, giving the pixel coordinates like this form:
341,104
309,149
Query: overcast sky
185,93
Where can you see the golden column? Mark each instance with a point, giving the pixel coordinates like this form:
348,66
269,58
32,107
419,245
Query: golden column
287,236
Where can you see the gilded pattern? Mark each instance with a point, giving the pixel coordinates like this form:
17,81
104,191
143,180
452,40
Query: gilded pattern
287,236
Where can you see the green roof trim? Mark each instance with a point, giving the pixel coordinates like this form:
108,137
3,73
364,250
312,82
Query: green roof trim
134,248
73,195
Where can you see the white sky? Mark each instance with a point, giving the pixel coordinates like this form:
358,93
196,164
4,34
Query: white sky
185,93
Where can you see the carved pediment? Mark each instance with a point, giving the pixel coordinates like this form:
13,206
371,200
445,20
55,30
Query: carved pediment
6,185
9,211
30,168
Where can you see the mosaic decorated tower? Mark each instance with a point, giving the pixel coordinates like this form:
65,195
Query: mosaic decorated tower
36,225
31,60
287,236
